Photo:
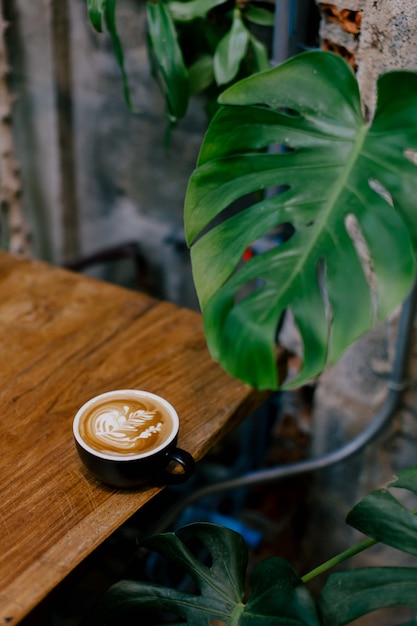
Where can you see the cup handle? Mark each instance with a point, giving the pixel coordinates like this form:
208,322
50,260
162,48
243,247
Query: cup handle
183,459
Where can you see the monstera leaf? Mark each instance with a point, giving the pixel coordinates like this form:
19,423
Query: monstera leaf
356,592
292,146
382,517
351,594
276,590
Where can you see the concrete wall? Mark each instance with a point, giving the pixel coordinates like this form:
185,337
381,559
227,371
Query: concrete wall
129,186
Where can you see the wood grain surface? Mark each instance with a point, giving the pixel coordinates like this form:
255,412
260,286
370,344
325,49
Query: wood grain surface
64,339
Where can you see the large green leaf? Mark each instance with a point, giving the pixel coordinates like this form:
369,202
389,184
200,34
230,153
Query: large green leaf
277,594
299,128
165,52
349,595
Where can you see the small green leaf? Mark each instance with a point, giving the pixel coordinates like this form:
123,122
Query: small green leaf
383,518
96,12
349,595
187,11
165,51
231,50
258,15
406,479
110,19
260,54
201,74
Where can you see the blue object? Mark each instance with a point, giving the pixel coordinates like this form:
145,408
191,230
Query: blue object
252,537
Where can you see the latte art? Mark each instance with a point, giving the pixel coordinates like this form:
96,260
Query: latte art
124,427
123,431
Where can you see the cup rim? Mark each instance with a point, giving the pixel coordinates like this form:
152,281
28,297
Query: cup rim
120,394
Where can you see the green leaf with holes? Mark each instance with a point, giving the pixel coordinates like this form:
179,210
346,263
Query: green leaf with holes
337,185
383,517
276,591
348,595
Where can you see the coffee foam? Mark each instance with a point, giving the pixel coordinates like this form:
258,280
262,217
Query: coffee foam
125,427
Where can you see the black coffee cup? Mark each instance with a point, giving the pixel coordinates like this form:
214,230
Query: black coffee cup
128,438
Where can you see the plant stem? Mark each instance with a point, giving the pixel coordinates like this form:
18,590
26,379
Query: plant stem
339,558
363,545
235,617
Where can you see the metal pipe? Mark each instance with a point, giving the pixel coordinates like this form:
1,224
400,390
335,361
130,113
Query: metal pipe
281,35
396,386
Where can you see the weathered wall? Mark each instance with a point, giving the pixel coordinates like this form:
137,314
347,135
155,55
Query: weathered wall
349,394
388,41
129,187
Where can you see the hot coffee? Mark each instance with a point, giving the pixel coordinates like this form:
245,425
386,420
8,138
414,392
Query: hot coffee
125,427
128,437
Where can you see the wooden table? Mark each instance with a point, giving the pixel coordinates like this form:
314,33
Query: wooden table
64,339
